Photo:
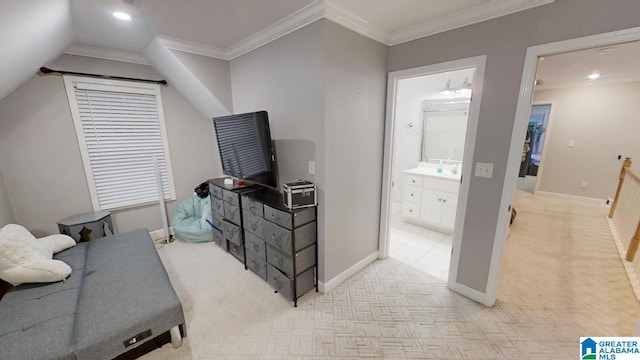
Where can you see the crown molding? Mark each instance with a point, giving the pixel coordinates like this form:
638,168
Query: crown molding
108,54
194,48
355,23
587,83
469,16
319,9
291,23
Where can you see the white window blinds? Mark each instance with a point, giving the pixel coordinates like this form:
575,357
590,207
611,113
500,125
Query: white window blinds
120,129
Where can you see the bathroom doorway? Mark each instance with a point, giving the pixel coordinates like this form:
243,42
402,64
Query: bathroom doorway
431,124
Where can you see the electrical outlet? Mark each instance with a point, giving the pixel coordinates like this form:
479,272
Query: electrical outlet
484,170
583,185
572,143
312,167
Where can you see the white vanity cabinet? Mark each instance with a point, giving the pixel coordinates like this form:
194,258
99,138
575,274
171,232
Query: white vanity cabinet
430,198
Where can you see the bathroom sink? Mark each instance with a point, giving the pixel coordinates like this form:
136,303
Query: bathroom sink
425,171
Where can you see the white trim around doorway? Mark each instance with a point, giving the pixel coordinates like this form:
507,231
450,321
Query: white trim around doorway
477,62
519,129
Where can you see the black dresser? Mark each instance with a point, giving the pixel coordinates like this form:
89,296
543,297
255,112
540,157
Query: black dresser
276,243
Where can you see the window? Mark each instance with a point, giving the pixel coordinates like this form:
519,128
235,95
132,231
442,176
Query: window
121,132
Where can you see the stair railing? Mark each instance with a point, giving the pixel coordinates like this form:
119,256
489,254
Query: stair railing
625,209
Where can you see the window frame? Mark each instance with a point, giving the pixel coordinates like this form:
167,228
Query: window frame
130,87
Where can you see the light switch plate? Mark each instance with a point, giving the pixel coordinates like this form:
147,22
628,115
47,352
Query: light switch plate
312,167
484,170
572,143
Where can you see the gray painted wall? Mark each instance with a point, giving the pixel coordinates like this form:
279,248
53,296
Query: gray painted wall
504,40
286,78
603,122
40,157
324,88
355,89
6,214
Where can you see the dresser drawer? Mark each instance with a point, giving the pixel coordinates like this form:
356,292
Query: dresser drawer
217,219
215,191
284,285
254,244
231,232
281,238
412,180
218,238
237,251
257,264
304,259
411,210
412,194
232,213
253,223
231,197
217,205
252,206
289,220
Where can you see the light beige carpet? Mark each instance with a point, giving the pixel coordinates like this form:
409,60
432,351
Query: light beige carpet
561,279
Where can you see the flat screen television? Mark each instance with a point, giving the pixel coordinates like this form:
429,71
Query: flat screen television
246,150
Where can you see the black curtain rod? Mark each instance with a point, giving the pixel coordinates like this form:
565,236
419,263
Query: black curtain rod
45,70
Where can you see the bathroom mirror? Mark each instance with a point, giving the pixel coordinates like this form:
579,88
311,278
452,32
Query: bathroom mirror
444,125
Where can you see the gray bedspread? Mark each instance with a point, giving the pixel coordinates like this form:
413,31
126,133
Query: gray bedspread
118,289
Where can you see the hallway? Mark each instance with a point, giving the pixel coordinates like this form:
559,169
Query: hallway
562,270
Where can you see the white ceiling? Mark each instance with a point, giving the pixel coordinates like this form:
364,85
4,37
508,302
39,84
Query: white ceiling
615,64
37,31
229,28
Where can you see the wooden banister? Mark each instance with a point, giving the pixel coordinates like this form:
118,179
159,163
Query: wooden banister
626,166
633,245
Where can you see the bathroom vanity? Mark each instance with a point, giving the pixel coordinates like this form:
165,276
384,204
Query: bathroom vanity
431,198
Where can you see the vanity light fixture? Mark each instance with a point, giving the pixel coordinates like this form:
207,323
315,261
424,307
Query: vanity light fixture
593,76
122,16
465,89
447,89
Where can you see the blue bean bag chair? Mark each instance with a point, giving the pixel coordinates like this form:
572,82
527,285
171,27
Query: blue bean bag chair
192,220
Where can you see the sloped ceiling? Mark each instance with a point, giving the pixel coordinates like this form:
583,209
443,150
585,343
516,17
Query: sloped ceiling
34,32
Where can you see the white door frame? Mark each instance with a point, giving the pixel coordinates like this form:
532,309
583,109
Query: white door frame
519,132
477,62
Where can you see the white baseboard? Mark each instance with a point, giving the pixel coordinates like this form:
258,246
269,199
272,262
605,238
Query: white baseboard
472,294
573,198
160,234
340,278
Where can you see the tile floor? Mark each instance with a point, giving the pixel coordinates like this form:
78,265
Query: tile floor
422,248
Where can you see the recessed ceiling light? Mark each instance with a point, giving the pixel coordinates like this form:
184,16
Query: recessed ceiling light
122,16
593,76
